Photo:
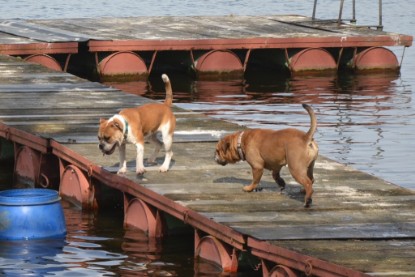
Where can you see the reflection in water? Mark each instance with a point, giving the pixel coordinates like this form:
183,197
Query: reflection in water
96,245
363,120
142,252
30,257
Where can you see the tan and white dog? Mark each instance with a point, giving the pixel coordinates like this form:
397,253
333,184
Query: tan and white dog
135,125
272,150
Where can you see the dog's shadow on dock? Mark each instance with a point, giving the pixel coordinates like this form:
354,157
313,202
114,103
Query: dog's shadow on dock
293,191
131,164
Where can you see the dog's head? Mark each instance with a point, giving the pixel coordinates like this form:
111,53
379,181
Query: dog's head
225,151
110,135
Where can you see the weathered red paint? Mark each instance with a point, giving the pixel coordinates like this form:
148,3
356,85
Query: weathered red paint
44,60
39,48
122,63
312,59
24,138
139,215
376,58
281,271
27,164
219,61
311,266
220,58
75,188
248,43
214,251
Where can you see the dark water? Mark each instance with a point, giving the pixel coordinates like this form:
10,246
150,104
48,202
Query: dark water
97,245
364,121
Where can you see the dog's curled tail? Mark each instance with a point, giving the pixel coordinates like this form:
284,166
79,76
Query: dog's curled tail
169,92
313,124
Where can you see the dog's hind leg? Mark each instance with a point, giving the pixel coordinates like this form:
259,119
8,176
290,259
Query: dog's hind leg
302,177
276,175
310,171
157,146
168,141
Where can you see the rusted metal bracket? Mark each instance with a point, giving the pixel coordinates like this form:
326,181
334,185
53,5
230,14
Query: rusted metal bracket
21,137
310,266
215,251
139,215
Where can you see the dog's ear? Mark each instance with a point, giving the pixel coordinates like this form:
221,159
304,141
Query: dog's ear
117,125
102,120
225,146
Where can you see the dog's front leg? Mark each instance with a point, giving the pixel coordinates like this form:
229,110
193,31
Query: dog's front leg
140,159
123,162
256,174
157,146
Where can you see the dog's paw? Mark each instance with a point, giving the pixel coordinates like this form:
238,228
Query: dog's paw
308,202
163,168
140,171
249,188
122,170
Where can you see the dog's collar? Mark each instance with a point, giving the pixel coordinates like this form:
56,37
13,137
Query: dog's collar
239,147
125,131
124,122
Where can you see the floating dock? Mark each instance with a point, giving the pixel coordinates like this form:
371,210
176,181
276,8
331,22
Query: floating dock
135,47
358,224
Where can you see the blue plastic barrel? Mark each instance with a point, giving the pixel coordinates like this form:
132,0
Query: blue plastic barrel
31,214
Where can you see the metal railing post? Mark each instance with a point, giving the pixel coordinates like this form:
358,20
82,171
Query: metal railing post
380,26
314,10
340,12
354,12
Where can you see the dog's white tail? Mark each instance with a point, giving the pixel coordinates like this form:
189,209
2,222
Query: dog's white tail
313,124
169,92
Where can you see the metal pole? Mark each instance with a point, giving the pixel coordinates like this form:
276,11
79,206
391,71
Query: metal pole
314,10
380,26
354,12
340,12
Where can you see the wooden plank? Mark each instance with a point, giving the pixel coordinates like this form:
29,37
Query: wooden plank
35,32
273,231
210,27
376,257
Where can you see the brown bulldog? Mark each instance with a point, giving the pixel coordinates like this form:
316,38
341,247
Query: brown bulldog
134,125
272,150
